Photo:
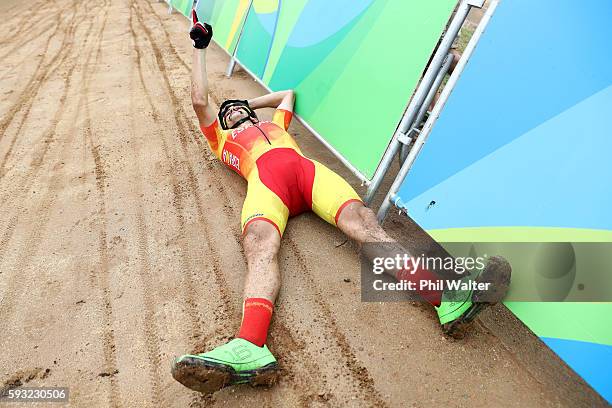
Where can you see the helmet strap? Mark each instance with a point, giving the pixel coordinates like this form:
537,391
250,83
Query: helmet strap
233,102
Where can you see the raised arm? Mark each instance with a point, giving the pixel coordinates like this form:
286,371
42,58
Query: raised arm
201,35
279,100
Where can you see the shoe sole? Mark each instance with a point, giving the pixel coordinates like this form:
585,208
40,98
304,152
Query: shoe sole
207,377
497,272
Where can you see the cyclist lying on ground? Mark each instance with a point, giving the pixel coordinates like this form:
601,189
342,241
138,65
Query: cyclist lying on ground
282,183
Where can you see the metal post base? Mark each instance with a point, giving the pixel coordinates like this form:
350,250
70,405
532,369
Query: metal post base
230,67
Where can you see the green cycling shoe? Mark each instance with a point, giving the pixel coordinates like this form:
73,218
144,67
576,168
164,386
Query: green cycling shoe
460,307
236,362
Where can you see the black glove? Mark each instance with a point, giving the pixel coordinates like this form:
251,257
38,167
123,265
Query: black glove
201,34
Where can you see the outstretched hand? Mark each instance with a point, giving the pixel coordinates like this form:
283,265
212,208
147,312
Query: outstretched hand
201,33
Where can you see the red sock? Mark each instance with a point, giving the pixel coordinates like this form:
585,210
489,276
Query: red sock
256,315
432,296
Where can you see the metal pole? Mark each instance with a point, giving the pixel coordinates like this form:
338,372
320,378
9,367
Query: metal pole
391,197
430,97
232,63
419,96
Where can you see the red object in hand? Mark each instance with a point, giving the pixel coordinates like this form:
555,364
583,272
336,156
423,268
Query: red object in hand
200,33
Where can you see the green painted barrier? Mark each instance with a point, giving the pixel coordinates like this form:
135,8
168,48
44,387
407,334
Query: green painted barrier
183,6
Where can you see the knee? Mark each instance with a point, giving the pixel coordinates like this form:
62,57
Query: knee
360,223
261,239
357,216
367,215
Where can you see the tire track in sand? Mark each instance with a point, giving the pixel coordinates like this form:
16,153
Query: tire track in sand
47,202
49,134
19,198
28,102
31,176
35,81
102,277
25,187
183,131
195,316
167,36
20,25
49,199
6,237
28,97
151,331
360,374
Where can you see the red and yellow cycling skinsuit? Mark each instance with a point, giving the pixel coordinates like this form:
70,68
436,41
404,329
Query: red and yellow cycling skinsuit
281,181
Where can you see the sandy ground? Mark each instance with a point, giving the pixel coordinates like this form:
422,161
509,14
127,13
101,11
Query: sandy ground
120,244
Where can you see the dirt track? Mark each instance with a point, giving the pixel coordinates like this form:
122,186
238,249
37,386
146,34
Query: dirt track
120,244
